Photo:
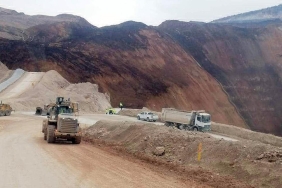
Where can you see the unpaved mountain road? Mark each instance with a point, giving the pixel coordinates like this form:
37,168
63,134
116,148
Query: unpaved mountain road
19,85
29,161
86,120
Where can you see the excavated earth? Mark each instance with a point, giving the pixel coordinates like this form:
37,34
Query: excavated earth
253,162
245,162
24,96
131,62
233,73
245,60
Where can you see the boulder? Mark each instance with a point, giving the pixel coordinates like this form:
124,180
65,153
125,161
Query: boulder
159,151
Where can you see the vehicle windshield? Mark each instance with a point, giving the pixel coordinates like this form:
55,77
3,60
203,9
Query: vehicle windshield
65,110
150,113
206,118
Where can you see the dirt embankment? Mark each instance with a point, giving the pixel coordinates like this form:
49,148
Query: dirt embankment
132,112
229,130
246,134
223,164
53,85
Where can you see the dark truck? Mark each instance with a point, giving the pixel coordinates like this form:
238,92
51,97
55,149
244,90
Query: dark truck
45,111
62,122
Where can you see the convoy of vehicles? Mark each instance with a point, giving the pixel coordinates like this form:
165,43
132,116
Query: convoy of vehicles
184,120
62,122
147,116
188,120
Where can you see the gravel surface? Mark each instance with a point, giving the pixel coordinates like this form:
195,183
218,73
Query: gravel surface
16,75
29,161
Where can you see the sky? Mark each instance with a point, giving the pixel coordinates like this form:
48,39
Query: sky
151,12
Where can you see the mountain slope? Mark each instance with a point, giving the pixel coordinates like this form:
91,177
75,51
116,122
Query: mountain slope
14,24
134,63
178,64
246,61
267,14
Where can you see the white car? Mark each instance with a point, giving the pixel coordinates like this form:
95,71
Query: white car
147,116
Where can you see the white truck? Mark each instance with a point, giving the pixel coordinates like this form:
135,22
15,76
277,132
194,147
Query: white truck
147,116
188,120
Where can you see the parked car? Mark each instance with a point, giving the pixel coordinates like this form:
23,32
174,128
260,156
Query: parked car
147,116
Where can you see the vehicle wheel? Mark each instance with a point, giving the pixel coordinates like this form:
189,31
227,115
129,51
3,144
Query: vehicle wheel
181,127
155,120
195,129
177,125
169,124
50,134
45,135
2,113
76,140
43,125
148,119
7,113
138,117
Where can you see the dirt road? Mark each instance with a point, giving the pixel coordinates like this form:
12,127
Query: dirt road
10,77
25,82
87,120
28,161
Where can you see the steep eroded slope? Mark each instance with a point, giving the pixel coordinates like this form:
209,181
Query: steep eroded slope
135,64
246,61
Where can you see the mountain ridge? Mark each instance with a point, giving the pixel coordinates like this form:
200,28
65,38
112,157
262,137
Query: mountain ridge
262,15
176,64
13,25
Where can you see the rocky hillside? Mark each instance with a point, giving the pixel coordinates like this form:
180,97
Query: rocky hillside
177,64
246,61
13,24
134,63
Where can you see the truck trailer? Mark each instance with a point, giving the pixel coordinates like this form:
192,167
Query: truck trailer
187,120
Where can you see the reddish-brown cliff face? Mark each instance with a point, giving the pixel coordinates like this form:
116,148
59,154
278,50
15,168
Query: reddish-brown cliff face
247,62
176,64
135,64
